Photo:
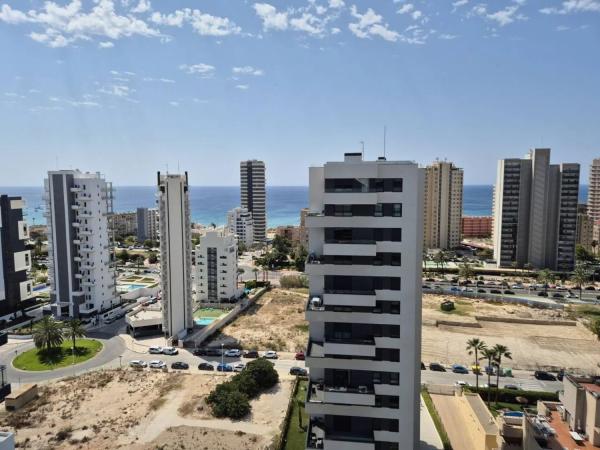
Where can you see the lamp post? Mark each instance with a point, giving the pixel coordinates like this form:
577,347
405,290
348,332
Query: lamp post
120,358
73,360
222,366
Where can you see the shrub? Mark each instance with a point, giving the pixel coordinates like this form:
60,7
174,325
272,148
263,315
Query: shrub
508,395
263,373
246,384
293,281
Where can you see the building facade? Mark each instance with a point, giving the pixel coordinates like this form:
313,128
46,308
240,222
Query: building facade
593,201
147,224
216,268
80,246
254,195
585,228
15,260
535,212
477,226
289,232
175,254
364,307
303,230
442,210
124,224
240,224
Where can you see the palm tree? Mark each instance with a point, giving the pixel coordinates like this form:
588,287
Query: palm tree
501,352
255,271
47,333
240,272
441,258
73,329
580,275
546,277
474,346
490,355
466,271
594,245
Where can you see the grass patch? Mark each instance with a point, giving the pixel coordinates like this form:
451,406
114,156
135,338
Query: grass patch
36,360
302,327
209,312
585,311
495,408
461,308
295,437
437,420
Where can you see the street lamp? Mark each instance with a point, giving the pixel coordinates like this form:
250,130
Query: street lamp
120,358
222,366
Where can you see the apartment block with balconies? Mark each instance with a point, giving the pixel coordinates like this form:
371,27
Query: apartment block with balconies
364,306
81,270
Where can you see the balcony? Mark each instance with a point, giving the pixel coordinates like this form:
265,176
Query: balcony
341,395
349,298
350,248
350,347
318,438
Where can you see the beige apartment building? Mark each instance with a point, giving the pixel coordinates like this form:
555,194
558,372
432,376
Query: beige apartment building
443,196
594,190
585,228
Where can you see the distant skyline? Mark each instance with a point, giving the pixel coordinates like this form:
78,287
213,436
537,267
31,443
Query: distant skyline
127,87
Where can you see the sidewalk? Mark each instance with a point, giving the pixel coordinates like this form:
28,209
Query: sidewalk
430,439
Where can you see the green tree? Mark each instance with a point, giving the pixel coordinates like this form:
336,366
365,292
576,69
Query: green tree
582,254
300,255
441,259
501,351
152,258
123,256
263,372
474,346
581,275
47,333
489,354
73,329
595,327
465,271
255,272
240,272
594,246
546,277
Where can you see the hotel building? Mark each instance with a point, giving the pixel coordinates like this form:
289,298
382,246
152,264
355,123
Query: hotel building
253,195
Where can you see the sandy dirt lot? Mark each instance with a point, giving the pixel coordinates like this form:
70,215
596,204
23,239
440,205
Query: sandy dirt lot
142,410
275,322
532,346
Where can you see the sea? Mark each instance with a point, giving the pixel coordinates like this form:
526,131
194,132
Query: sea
209,204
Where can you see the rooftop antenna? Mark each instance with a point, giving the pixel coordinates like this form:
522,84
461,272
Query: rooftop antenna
362,143
384,139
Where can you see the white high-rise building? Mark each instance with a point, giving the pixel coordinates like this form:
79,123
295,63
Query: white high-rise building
254,195
593,202
535,212
175,254
365,231
443,205
216,268
147,224
240,223
80,247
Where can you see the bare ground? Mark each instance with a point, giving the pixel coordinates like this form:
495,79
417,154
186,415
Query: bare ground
275,322
124,409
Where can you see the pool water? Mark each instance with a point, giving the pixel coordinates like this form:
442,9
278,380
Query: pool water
203,321
513,414
133,287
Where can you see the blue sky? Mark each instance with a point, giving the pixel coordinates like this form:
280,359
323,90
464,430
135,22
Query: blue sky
131,87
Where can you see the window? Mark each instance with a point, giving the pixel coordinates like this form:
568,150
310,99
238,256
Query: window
397,185
397,210
378,210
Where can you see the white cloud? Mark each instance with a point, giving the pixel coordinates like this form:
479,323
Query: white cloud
248,70
63,25
459,3
371,24
175,104
502,17
447,37
336,3
309,24
204,70
271,18
335,30
242,87
573,6
117,90
202,23
406,8
142,7
106,44
416,15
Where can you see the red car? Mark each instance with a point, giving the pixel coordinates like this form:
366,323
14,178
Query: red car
300,356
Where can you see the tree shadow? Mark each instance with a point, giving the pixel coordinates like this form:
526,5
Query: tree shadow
57,355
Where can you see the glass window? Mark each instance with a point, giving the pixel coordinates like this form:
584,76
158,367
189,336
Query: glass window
397,210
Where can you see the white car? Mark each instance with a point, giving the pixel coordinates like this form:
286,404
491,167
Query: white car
155,350
137,363
460,383
239,367
170,351
233,353
271,354
157,364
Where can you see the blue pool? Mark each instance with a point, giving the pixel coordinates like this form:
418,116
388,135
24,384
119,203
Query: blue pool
203,321
513,414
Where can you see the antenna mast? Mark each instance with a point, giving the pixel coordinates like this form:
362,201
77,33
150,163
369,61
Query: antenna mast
384,140
362,143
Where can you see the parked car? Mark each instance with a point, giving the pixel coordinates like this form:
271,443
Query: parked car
137,363
199,352
423,366
251,354
557,295
180,365
495,291
460,383
300,371
155,350
426,286
436,367
271,354
481,291
170,351
590,288
476,369
238,367
157,364
509,292
224,368
213,352
205,366
571,295
544,376
542,294
300,356
233,353
512,387
454,289
457,368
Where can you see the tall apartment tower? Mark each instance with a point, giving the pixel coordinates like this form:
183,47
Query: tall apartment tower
535,212
364,308
585,228
443,205
216,268
80,243
240,223
15,259
175,254
593,202
253,195
147,224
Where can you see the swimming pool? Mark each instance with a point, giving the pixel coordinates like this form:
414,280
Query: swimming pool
513,414
203,321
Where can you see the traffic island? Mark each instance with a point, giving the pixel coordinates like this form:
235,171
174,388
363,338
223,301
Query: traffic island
36,360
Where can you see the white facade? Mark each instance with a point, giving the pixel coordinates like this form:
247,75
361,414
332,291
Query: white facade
240,223
216,268
593,200
81,272
175,254
365,231
254,195
147,224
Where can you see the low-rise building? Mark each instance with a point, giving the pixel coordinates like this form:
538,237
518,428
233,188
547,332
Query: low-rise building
581,401
216,268
124,224
290,232
477,226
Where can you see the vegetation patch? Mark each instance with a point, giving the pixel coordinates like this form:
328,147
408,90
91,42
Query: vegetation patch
295,435
437,420
56,357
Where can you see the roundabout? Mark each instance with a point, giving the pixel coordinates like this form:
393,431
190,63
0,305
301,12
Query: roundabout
61,356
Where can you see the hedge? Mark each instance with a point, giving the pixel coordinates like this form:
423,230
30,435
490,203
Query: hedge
509,395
